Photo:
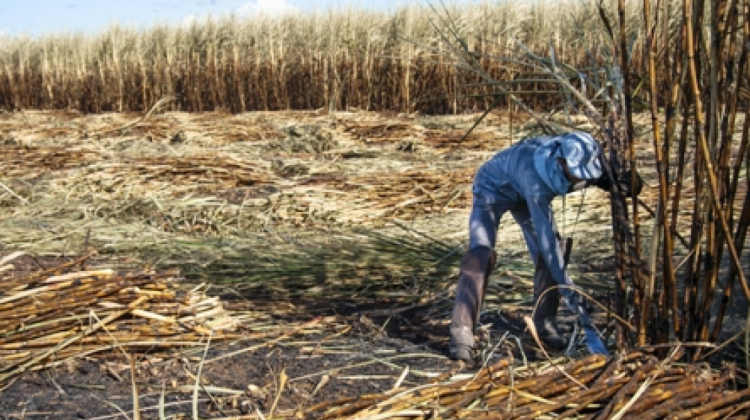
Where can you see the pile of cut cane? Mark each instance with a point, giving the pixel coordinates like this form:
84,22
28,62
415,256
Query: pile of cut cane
52,315
633,385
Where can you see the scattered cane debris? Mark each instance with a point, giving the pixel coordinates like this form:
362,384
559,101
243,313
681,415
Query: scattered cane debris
633,385
55,314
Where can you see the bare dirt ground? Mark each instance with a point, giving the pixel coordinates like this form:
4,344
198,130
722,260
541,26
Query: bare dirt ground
333,238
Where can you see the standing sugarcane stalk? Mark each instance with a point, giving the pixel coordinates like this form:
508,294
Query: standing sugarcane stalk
739,236
728,122
626,103
705,154
663,227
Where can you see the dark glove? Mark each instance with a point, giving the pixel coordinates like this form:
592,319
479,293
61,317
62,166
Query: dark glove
625,182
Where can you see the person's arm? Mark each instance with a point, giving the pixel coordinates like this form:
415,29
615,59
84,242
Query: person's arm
540,208
542,216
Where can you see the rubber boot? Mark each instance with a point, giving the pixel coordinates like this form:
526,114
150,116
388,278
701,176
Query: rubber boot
545,316
476,266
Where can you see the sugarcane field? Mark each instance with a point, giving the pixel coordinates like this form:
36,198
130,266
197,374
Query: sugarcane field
294,216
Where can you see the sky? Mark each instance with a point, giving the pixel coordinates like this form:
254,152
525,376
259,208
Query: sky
39,17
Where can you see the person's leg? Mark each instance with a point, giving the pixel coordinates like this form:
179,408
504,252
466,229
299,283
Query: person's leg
546,295
474,272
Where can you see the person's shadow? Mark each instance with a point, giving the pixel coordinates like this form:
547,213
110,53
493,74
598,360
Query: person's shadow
396,285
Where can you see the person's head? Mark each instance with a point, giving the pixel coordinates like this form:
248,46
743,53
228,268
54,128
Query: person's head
579,159
568,162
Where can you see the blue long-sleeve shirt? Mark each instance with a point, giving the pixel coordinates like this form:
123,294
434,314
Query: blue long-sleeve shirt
528,174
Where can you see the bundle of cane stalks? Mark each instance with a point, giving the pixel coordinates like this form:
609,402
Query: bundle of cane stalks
634,385
51,315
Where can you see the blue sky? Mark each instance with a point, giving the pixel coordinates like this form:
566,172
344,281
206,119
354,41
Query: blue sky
36,17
